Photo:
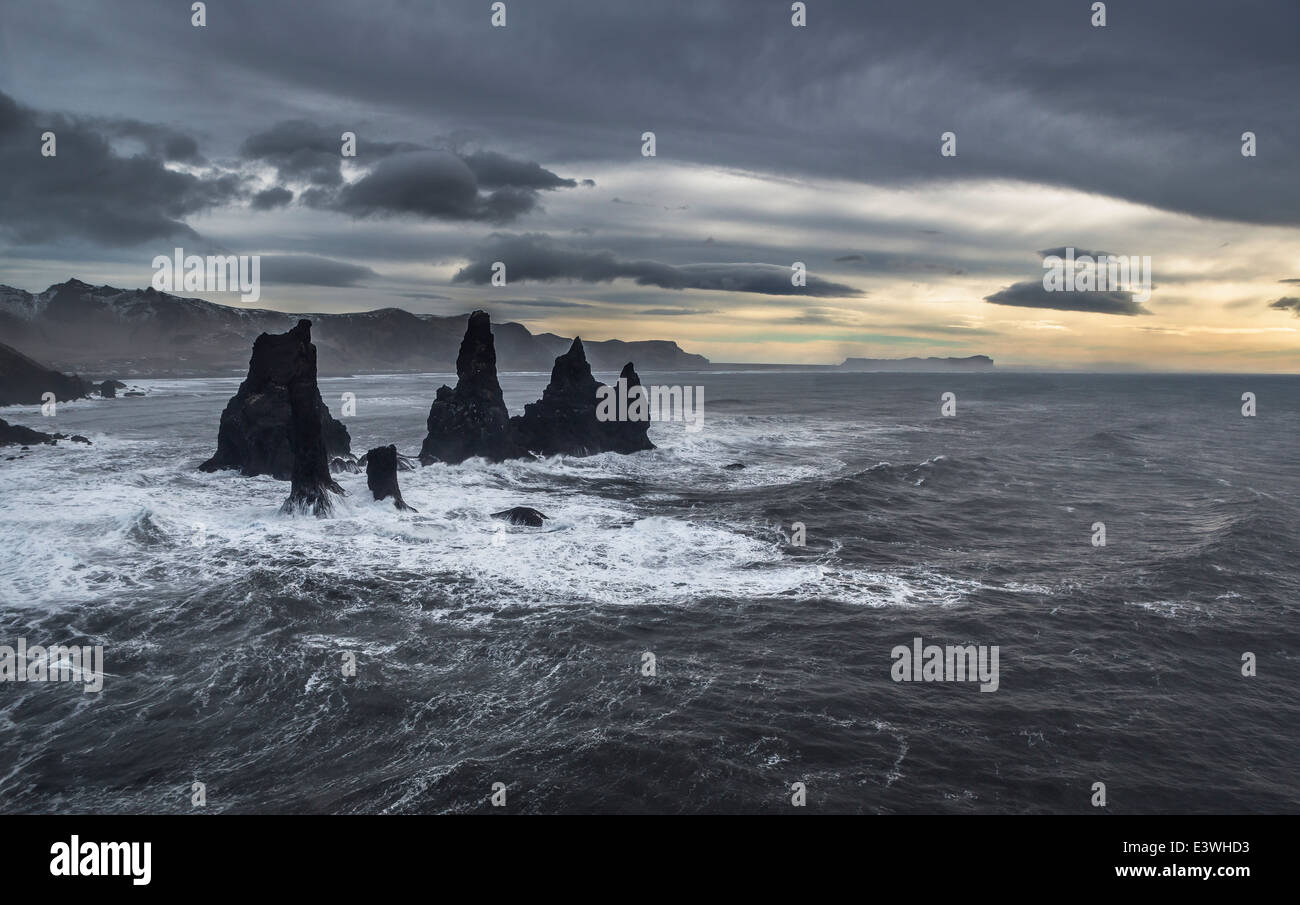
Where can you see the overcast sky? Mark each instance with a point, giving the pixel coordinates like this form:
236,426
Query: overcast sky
775,144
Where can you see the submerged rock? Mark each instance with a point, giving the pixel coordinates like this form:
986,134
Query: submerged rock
522,515
260,424
16,434
346,464
381,475
734,466
471,420
108,389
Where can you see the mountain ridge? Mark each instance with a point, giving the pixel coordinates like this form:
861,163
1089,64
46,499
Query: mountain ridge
74,326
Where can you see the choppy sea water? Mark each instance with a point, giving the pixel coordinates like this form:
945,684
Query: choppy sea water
514,655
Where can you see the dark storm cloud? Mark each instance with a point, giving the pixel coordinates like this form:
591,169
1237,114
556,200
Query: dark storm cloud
403,178
534,256
309,270
88,191
494,171
433,184
1031,294
1287,304
271,198
1150,108
301,150
162,142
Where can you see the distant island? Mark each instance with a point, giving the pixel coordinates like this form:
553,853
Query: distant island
970,363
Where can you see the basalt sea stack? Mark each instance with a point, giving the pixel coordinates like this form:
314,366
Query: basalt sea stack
628,436
278,416
564,422
381,475
471,420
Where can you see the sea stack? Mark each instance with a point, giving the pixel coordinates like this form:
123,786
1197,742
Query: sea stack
471,420
381,475
563,421
628,436
277,424
310,474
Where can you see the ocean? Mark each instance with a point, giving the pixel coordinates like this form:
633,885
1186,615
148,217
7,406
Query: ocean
489,654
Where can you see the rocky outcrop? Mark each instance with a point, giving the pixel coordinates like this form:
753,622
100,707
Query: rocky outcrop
564,421
25,382
278,417
348,464
381,476
522,515
17,435
108,389
471,420
628,436
295,360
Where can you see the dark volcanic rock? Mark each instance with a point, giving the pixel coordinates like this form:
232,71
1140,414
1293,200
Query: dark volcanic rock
339,464
381,475
308,447
563,421
108,389
734,466
471,420
521,515
12,434
24,382
277,404
628,436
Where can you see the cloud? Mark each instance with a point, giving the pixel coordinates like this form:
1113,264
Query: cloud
1059,252
545,303
308,151
271,198
401,178
87,191
676,312
494,170
309,270
1287,303
1031,294
162,142
535,256
432,184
